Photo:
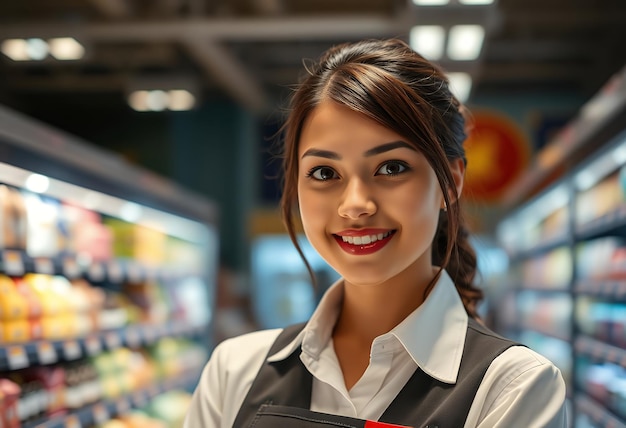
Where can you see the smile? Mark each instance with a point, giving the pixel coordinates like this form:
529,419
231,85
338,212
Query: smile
363,242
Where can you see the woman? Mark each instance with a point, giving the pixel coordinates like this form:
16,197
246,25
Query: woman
374,163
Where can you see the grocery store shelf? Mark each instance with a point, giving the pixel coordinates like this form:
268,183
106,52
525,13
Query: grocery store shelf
539,329
543,288
611,223
597,413
600,351
614,290
102,411
18,263
18,356
540,248
36,146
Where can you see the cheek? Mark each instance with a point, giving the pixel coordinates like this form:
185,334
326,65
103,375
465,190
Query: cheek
311,210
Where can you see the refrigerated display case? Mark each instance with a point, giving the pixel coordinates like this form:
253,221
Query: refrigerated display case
566,289
107,276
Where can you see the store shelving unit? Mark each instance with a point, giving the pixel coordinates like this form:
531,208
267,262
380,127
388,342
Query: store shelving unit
566,290
153,248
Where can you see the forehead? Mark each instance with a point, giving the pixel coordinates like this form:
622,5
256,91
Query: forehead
334,126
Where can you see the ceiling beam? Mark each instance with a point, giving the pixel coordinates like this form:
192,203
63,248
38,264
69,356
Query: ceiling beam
241,29
221,66
113,8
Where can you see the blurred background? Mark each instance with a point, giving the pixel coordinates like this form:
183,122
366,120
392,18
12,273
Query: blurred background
139,188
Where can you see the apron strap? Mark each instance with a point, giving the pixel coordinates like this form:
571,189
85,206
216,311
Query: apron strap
425,401
286,382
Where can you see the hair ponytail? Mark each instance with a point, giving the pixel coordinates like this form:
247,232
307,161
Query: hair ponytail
461,264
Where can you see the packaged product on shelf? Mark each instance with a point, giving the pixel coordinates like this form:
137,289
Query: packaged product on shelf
20,312
151,299
170,407
95,297
43,234
601,258
9,396
13,219
82,386
134,242
13,306
149,246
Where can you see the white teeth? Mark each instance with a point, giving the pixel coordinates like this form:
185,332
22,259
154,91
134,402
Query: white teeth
364,240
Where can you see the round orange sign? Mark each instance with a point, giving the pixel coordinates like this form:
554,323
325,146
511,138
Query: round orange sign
497,153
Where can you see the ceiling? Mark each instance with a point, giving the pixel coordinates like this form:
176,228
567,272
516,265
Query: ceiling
252,50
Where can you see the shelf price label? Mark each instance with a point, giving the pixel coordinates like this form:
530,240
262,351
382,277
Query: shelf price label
122,406
44,265
133,339
100,413
93,345
113,340
17,357
71,269
72,421
46,353
71,350
96,272
12,262
133,271
115,272
140,399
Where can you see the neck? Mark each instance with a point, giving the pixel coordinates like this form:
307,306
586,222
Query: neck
371,310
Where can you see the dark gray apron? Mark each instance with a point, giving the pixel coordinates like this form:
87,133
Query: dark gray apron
280,395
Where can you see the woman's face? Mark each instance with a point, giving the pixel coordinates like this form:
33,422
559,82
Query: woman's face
369,201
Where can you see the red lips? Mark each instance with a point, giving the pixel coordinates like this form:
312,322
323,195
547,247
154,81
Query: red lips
363,249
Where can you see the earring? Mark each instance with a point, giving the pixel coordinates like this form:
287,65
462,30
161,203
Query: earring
445,207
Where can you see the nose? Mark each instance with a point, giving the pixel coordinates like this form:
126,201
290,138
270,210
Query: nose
357,201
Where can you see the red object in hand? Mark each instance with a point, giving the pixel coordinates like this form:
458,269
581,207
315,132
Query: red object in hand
374,424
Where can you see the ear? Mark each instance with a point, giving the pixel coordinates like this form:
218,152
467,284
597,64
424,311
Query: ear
457,168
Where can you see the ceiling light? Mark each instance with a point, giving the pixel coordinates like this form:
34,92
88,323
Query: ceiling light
16,49
476,2
465,42
66,48
460,85
130,211
37,183
428,40
37,49
181,99
138,100
431,2
157,100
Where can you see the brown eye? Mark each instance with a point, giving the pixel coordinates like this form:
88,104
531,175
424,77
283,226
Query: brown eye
392,168
323,173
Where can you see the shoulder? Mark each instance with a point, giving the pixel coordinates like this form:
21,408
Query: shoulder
520,361
521,385
242,351
227,377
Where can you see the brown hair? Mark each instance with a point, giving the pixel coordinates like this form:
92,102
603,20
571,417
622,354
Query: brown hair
395,86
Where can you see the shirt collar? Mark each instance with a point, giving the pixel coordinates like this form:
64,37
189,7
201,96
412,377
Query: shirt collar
433,335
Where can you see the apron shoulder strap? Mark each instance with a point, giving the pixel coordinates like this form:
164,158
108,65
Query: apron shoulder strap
429,402
276,382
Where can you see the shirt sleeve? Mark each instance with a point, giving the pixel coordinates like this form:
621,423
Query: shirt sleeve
206,405
520,389
226,379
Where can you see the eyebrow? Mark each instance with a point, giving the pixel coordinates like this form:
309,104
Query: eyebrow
371,152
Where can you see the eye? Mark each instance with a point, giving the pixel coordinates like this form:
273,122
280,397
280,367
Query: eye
392,168
322,173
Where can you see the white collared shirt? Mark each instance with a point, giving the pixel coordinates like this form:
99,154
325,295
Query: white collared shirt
520,389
